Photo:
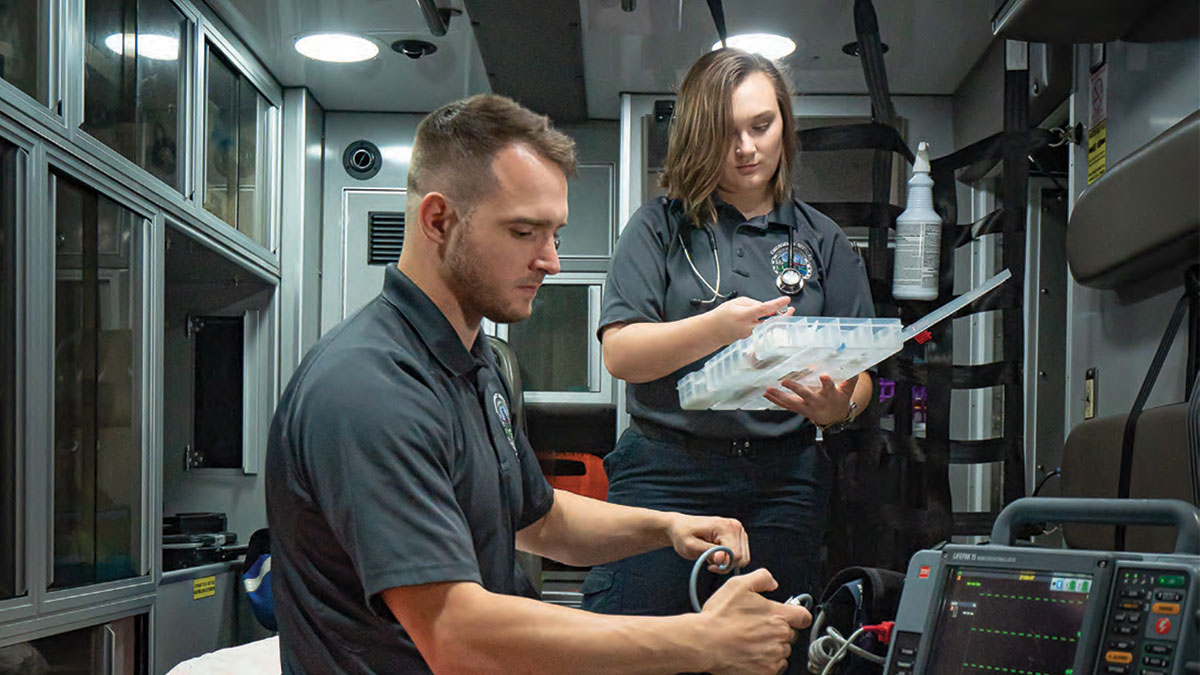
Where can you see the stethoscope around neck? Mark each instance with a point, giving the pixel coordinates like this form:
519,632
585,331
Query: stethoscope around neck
789,281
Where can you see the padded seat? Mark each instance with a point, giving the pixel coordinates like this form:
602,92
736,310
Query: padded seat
1091,467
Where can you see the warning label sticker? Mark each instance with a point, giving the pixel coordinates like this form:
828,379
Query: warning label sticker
1097,162
204,587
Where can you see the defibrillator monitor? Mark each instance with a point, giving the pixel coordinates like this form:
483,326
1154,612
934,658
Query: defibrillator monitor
1000,609
1009,621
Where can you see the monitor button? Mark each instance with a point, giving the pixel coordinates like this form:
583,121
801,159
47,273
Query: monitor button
1118,657
1158,649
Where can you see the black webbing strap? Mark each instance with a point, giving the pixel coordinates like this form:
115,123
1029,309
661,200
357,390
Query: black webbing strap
860,214
961,377
870,53
1139,403
989,224
867,136
718,16
1025,141
1191,285
1193,422
1016,194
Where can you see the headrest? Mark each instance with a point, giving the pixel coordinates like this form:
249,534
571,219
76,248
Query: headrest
1141,218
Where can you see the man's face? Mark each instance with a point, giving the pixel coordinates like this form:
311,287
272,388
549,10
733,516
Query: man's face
497,257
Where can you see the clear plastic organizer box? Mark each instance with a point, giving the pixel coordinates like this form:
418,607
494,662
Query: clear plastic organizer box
802,348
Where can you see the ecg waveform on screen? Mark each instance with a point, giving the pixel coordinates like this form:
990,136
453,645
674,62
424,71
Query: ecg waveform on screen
1032,598
1010,671
1009,621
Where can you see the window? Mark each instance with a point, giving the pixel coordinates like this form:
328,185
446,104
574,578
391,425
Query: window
10,546
235,188
25,46
133,60
97,466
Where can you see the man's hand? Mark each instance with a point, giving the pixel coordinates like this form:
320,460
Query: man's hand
824,405
735,319
749,633
693,535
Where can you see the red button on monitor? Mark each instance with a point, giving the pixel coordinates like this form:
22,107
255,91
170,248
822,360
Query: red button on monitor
924,572
1162,626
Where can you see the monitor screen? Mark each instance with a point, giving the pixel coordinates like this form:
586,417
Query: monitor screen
1009,621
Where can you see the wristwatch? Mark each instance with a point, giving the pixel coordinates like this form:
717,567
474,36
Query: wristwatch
840,425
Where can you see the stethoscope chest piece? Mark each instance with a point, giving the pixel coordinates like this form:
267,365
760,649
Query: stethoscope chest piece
790,281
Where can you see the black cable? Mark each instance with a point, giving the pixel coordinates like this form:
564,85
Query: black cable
1042,482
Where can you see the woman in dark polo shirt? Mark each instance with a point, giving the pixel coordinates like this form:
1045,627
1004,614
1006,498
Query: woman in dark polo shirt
692,273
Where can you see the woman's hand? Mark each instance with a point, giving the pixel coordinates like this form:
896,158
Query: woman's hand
824,405
735,319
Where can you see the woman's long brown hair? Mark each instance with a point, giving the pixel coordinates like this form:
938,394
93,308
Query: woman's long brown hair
702,130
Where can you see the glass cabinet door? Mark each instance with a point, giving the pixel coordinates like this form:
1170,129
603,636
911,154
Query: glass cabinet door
97,470
133,67
25,46
235,187
116,648
556,346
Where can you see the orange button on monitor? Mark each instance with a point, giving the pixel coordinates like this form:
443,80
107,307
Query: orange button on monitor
1165,608
1118,657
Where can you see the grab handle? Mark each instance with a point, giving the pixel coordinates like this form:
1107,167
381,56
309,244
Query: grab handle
1175,512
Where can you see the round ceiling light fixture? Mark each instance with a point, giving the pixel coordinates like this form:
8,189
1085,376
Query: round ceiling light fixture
149,45
337,47
770,45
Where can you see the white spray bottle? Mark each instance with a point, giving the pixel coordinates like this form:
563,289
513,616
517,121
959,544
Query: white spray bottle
918,237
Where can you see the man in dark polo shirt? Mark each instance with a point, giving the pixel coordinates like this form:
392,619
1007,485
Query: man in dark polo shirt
398,488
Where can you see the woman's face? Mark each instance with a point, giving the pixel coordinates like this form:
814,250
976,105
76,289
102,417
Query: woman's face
757,138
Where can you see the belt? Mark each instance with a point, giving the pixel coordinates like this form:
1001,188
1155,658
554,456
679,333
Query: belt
729,447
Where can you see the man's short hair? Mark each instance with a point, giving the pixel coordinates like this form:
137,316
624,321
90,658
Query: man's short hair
456,143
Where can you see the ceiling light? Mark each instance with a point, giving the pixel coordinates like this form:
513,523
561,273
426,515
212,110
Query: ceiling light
767,44
337,47
148,45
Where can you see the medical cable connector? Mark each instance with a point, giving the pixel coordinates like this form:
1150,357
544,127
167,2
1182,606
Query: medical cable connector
803,600
918,237
802,348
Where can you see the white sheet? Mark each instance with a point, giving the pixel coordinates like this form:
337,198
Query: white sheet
254,658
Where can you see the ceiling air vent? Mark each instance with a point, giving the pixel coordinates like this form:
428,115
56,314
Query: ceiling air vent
385,237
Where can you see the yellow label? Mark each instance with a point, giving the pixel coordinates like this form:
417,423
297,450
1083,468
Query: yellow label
204,587
1089,397
1097,151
